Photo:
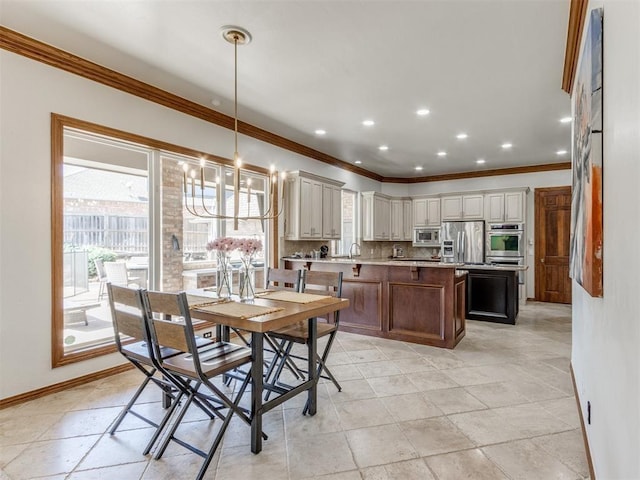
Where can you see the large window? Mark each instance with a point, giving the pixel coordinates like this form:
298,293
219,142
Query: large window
119,215
104,230
349,224
219,197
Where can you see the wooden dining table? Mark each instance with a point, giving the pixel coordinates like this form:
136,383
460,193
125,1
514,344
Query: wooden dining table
283,313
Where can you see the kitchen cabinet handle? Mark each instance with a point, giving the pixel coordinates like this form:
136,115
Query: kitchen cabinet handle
542,260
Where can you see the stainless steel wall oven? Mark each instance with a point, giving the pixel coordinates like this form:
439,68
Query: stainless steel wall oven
505,240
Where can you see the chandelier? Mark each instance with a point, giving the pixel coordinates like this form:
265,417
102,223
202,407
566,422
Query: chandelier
197,207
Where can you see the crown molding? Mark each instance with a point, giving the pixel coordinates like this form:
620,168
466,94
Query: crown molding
577,15
546,167
34,49
20,44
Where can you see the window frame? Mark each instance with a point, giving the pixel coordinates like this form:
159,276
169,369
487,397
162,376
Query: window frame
337,245
58,125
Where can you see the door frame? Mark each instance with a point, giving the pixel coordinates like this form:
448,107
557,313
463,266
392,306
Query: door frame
538,218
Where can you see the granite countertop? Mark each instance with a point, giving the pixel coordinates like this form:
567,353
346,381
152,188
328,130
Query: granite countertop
406,261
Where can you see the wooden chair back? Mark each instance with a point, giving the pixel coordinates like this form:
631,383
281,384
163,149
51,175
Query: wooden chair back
283,279
170,321
127,314
323,283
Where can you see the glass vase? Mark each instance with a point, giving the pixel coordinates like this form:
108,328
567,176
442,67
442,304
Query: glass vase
247,280
224,274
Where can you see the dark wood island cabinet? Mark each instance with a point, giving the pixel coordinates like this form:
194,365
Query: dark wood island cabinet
492,295
417,302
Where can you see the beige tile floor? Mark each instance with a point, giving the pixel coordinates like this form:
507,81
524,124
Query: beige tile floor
499,406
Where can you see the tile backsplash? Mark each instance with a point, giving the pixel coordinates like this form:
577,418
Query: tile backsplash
367,250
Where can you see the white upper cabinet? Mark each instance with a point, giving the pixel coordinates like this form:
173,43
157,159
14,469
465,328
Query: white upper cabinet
397,220
426,212
310,208
463,207
407,217
514,206
451,208
472,207
494,203
313,207
331,211
505,207
376,217
401,219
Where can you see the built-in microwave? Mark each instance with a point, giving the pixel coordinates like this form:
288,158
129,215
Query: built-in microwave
426,237
505,240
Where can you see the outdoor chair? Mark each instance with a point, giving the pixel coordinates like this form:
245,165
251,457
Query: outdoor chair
102,277
117,274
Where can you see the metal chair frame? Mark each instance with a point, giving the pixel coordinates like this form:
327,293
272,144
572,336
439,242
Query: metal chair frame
196,367
129,319
277,279
323,283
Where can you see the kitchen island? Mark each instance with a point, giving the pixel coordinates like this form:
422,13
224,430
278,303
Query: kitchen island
413,301
492,293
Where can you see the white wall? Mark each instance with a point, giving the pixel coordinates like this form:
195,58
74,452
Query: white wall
606,331
29,92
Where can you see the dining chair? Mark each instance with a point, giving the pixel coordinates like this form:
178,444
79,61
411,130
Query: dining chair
132,340
321,283
198,366
284,279
102,277
277,279
280,279
117,274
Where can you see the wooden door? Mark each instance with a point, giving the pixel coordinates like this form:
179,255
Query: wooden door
553,224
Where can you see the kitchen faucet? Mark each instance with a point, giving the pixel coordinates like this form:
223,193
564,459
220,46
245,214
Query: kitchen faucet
351,255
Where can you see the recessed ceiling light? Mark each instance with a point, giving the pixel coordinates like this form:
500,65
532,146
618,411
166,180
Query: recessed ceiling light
565,119
422,112
321,132
418,169
216,102
368,123
383,148
358,162
442,153
461,136
480,161
561,152
506,146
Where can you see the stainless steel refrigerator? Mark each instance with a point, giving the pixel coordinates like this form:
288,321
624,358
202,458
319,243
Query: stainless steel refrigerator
462,242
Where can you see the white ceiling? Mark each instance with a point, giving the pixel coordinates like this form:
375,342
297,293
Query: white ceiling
491,69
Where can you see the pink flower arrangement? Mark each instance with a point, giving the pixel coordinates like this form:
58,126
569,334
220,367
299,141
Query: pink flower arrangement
222,244
248,246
